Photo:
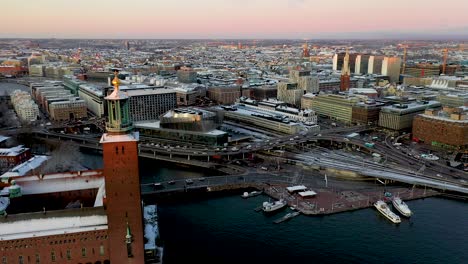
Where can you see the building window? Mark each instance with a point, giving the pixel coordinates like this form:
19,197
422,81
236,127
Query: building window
20,260
52,256
101,250
123,150
83,252
116,150
68,254
38,259
4,260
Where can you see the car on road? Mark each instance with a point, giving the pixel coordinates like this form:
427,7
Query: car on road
189,181
171,182
201,179
158,185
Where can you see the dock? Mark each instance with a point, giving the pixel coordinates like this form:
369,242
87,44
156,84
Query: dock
286,217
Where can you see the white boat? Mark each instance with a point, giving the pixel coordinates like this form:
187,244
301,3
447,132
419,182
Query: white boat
383,208
251,194
401,207
271,207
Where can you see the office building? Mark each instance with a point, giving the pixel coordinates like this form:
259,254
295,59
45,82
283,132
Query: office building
74,108
290,93
422,70
94,98
400,116
264,119
453,100
338,60
224,95
362,64
337,107
445,128
375,64
186,124
391,67
186,75
305,82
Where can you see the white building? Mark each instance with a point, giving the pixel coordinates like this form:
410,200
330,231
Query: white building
26,109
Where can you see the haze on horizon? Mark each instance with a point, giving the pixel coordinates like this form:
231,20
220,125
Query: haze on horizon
187,19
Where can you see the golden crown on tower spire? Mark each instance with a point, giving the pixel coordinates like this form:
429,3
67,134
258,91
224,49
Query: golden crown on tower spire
116,81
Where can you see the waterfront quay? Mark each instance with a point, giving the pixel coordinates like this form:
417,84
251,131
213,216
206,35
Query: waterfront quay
335,196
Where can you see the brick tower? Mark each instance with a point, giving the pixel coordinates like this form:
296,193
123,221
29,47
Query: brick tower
122,182
345,72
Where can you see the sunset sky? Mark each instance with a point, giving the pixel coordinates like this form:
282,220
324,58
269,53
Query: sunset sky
231,18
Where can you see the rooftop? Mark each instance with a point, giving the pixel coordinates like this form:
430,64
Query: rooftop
52,223
14,151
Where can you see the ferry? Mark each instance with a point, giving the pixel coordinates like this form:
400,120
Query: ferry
251,194
274,206
401,207
383,208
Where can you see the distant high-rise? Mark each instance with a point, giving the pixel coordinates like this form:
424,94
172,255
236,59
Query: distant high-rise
338,59
391,67
375,64
127,45
362,64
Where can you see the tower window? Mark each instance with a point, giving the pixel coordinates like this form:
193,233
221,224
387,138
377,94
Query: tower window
101,250
52,256
123,150
83,252
68,254
38,259
4,260
21,260
116,150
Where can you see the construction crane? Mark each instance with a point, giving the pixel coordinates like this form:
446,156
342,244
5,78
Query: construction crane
445,56
405,47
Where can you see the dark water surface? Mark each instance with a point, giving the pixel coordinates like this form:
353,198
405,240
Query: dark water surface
228,230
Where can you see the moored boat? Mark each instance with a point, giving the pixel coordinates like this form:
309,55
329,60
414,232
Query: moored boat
268,207
401,207
383,208
251,194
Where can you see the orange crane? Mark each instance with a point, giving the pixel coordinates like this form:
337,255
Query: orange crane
446,51
405,47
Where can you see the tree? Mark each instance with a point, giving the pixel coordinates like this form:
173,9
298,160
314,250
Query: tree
65,157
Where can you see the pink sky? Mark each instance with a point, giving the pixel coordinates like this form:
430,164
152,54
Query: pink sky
228,18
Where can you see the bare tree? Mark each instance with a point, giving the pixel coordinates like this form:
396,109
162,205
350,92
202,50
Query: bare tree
65,157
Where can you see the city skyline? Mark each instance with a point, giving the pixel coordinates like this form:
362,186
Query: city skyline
208,19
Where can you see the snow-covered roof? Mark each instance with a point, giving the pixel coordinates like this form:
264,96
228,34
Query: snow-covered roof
25,167
3,138
14,151
52,223
307,193
60,182
107,137
296,188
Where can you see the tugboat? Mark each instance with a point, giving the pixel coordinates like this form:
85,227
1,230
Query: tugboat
383,208
271,207
401,207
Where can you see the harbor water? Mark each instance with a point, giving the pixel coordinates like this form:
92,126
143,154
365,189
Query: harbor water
226,229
